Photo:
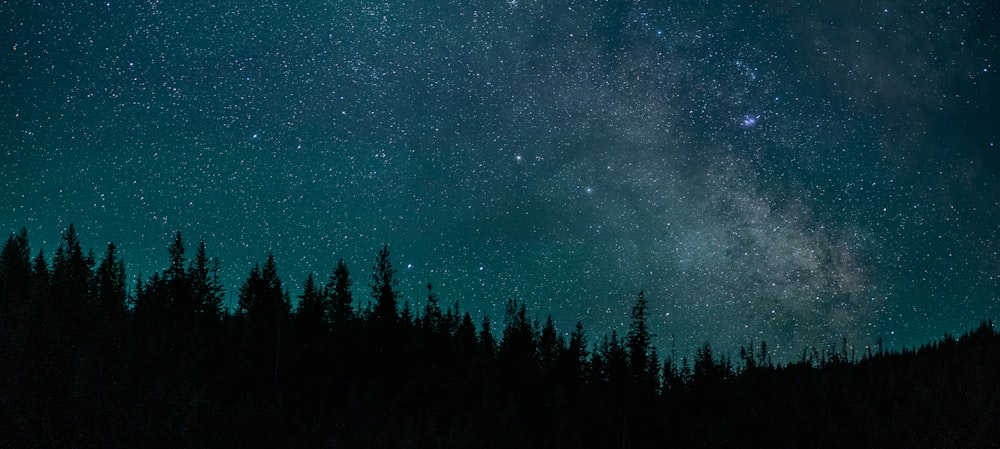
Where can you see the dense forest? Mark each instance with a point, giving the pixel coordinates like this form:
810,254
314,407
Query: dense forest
88,361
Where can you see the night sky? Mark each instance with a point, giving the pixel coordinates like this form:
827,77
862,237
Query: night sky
789,173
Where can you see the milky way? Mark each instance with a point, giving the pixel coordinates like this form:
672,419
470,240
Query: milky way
796,174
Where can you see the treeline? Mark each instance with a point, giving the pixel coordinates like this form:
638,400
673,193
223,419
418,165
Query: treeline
87,362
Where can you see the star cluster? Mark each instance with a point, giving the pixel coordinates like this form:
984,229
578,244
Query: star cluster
798,174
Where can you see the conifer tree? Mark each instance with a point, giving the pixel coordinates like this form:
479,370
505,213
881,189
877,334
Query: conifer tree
383,290
550,345
72,290
15,277
519,343
262,298
465,334
338,296
183,305
110,286
577,349
487,342
264,304
203,277
310,316
576,357
641,353
40,282
617,356
310,331
432,318
70,268
176,250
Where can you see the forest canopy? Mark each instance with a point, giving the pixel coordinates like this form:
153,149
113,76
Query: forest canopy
87,360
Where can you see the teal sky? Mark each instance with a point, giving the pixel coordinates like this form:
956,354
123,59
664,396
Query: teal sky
796,174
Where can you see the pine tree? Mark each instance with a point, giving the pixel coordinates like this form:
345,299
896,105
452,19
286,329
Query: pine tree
518,368
709,369
383,290
40,282
15,277
615,355
262,298
339,297
311,335
207,291
310,316
465,334
577,349
176,251
641,353
550,345
519,344
432,318
264,305
110,286
487,342
72,291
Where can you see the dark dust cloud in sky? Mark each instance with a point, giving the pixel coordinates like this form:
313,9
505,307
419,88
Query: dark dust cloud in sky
791,173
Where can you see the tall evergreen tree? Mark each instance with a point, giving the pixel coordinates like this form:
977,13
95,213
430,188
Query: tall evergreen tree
176,270
72,291
310,335
383,290
519,344
111,291
40,280
709,370
203,279
70,267
15,276
432,318
487,342
183,305
641,353
577,349
310,315
339,297
465,334
550,345
264,305
262,299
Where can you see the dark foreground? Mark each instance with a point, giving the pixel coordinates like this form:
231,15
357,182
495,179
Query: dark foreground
84,362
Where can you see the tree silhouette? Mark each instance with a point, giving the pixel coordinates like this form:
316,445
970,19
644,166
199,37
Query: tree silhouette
550,346
338,294
264,305
487,342
203,275
577,354
262,298
519,343
71,287
311,316
642,357
432,318
78,368
110,285
383,290
176,270
15,278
